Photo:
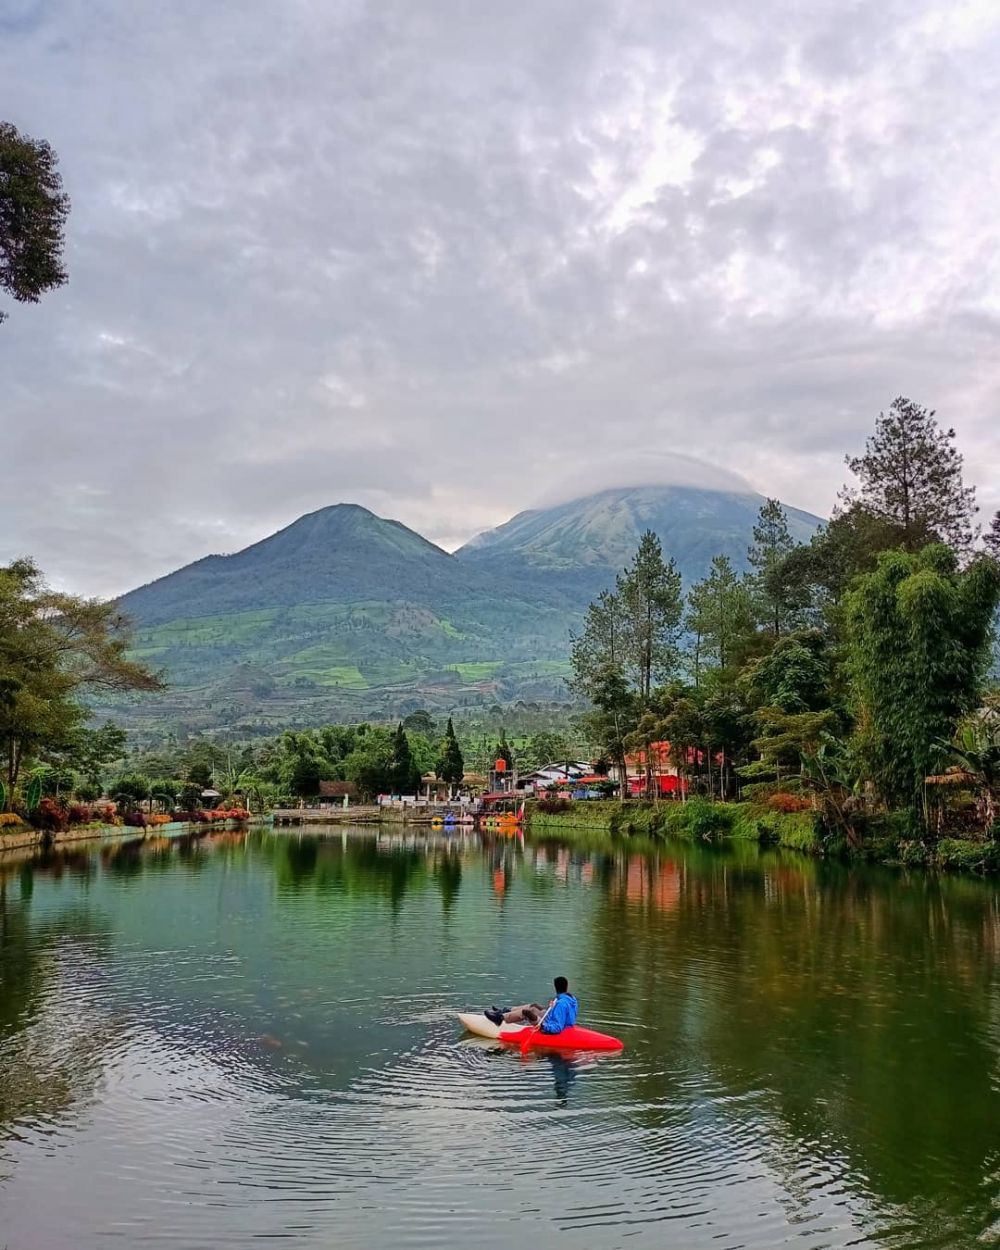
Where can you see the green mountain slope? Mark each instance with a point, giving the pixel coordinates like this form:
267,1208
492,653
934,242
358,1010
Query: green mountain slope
343,614
600,532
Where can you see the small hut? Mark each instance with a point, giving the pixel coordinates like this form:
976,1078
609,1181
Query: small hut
943,784
435,790
337,792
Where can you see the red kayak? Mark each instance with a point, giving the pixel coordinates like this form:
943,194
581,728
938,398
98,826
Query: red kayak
571,1038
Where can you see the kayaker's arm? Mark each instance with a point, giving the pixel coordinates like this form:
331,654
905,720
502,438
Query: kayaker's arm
561,1015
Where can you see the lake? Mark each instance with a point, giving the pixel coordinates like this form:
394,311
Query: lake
252,1036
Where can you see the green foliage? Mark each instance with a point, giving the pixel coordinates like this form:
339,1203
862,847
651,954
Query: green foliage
917,642
796,675
703,819
720,617
53,648
911,478
33,212
503,751
403,773
421,722
969,855
451,764
649,592
771,546
543,748
33,794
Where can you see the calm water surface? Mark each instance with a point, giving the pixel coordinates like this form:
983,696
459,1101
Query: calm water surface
253,1036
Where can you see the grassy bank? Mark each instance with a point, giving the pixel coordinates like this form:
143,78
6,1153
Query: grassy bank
750,822
695,819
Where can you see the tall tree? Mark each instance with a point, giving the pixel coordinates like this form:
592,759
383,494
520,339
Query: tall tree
615,715
771,545
720,615
546,747
649,592
504,751
451,765
991,539
53,648
911,476
404,775
601,644
918,635
33,212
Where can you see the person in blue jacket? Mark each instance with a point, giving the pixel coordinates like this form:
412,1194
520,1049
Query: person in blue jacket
561,1012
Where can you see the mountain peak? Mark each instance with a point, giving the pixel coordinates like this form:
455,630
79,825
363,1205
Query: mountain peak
602,530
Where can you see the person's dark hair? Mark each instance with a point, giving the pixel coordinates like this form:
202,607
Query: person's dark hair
561,984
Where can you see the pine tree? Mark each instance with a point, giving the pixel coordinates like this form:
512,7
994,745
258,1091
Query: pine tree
601,644
911,476
649,592
991,539
404,776
772,543
451,765
720,614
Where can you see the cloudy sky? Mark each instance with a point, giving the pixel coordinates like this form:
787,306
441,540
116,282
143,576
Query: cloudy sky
442,257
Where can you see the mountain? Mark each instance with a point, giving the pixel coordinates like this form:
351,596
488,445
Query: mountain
343,614
599,533
339,554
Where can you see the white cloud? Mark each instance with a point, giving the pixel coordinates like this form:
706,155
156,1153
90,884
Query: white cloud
437,259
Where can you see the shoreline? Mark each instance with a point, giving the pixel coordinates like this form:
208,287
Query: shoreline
27,838
747,822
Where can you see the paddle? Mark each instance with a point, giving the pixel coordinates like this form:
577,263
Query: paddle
530,1033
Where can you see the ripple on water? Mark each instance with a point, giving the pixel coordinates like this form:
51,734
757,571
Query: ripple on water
219,1059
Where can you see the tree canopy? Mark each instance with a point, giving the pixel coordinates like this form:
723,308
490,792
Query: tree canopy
53,648
33,212
910,477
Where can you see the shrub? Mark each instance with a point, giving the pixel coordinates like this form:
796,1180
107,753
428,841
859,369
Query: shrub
50,815
553,805
706,820
7,819
912,853
106,812
159,818
782,801
970,855
135,820
79,814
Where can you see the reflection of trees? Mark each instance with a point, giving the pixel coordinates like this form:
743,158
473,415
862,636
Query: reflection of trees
448,876
861,1003
49,1056
358,865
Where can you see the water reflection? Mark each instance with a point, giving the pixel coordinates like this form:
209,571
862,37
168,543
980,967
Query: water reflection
812,1051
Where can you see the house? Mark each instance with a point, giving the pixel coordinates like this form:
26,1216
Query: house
571,774
660,768
337,792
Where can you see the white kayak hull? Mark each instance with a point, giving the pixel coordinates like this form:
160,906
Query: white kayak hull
475,1022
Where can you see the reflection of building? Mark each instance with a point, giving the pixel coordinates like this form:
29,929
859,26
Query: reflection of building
647,881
